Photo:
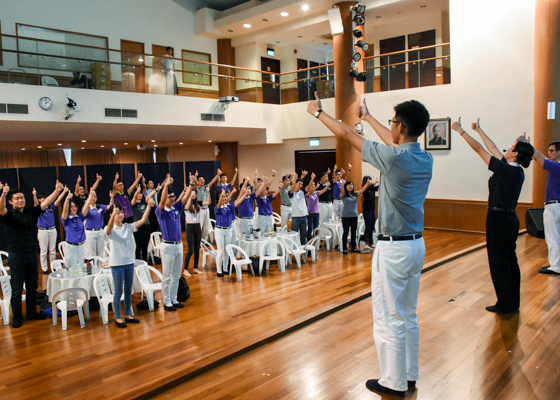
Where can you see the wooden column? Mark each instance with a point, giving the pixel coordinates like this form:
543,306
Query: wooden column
347,92
228,157
547,85
226,55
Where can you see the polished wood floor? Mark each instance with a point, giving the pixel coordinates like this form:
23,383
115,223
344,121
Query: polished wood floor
225,319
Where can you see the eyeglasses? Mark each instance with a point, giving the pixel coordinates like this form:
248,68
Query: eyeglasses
171,196
551,151
396,122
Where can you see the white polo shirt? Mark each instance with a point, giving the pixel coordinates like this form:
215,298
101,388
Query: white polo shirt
299,205
122,244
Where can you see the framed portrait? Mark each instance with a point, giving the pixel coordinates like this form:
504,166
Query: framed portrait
438,134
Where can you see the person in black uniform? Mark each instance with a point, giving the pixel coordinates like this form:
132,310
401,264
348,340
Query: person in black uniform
325,199
368,209
502,224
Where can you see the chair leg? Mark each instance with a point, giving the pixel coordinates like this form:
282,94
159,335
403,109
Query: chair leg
282,266
5,314
81,314
54,314
65,320
105,313
150,297
298,261
238,272
260,265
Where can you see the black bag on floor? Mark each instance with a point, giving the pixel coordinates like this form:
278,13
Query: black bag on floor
45,304
93,304
183,292
255,264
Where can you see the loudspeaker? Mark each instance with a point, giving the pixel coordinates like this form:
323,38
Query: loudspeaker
534,221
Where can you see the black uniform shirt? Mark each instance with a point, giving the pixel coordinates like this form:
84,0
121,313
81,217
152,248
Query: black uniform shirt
505,184
21,229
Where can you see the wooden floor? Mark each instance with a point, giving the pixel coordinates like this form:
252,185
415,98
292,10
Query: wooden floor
225,319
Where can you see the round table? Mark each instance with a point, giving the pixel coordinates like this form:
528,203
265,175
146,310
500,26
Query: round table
253,246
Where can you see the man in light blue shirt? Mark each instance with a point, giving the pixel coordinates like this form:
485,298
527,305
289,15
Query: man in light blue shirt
406,171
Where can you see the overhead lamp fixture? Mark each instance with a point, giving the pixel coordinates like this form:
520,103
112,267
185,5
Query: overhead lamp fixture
335,21
359,76
284,14
363,45
360,9
358,19
246,25
305,7
356,56
357,33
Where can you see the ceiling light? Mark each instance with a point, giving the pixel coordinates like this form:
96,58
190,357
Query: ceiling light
229,30
246,25
140,59
60,144
155,145
181,143
305,7
358,19
125,144
39,147
83,141
356,56
284,14
153,141
360,9
364,46
300,37
23,149
102,145
83,148
358,33
265,20
378,16
209,141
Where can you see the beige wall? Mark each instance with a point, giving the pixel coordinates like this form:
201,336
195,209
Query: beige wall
192,153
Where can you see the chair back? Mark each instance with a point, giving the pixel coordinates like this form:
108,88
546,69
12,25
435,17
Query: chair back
290,244
48,81
206,245
101,286
6,287
324,232
314,241
269,246
144,276
57,265
4,255
71,296
232,248
62,248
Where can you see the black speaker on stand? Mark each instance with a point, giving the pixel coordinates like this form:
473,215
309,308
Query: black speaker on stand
534,221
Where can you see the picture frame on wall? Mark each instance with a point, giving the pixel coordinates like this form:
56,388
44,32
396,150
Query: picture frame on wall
438,134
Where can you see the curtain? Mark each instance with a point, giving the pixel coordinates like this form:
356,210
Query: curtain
32,158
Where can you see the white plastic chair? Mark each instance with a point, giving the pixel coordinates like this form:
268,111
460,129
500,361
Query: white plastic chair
68,300
48,81
153,246
272,247
57,265
276,219
237,263
325,234
6,289
104,295
313,247
148,286
211,230
207,250
293,250
62,249
4,255
106,250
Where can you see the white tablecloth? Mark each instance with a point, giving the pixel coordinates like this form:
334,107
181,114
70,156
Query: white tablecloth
253,247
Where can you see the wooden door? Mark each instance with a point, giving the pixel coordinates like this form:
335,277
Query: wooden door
271,91
422,73
392,76
157,79
303,86
133,73
317,161
313,82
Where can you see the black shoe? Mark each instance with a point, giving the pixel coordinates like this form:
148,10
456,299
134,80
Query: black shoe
500,311
178,305
132,320
16,323
374,386
168,308
38,316
411,384
45,272
546,267
120,324
220,275
344,252
356,251
548,271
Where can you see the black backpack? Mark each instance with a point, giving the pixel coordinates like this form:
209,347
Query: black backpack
183,292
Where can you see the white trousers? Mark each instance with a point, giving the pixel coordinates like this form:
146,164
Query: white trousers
246,225
171,267
285,215
95,242
551,219
337,209
223,238
74,255
264,223
205,222
325,212
47,245
395,281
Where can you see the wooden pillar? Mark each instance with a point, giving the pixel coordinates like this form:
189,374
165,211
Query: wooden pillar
347,92
226,55
228,156
547,86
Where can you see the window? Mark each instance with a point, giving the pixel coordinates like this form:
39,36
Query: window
194,72
71,52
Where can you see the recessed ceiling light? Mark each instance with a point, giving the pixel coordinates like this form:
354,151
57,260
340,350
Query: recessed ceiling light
325,43
246,25
153,141
209,141
305,7
126,144
23,148
180,143
423,6
39,147
83,148
284,14
277,42
83,141
60,144
155,145
265,20
102,145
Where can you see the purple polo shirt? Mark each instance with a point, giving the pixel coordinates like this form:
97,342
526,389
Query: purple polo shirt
123,201
226,187
313,203
552,180
94,217
46,219
170,222
265,207
336,190
74,228
247,207
225,215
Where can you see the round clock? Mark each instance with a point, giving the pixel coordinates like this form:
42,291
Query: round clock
45,103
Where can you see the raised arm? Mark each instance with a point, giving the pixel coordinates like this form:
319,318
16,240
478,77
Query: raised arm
85,208
163,198
60,196
5,190
144,184
190,200
77,187
383,132
342,188
325,188
256,181
64,214
146,214
135,183
214,179
97,180
111,222
135,197
311,187
208,201
477,147
364,188
277,190
115,183
52,197
234,176
186,193
35,201
241,197
537,155
293,183
486,140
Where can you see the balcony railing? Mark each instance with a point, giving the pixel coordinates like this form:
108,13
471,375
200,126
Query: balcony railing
44,62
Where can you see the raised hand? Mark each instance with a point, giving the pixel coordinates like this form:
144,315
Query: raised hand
117,176
98,177
328,171
362,111
303,174
79,178
456,126
66,189
34,192
151,203
70,194
475,125
314,105
281,185
313,176
5,188
139,174
233,190
92,193
207,189
196,173
273,172
523,138
58,186
115,211
219,171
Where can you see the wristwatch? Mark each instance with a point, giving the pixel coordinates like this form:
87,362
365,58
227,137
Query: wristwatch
319,111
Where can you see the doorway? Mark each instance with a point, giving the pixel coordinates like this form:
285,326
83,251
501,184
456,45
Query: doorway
392,76
271,91
133,70
317,161
156,79
422,73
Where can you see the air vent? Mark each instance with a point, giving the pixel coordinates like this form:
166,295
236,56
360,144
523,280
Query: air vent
130,113
2,108
212,117
327,36
113,112
18,109
118,113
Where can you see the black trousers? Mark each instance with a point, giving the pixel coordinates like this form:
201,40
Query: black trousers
142,239
349,224
194,235
369,222
502,229
24,268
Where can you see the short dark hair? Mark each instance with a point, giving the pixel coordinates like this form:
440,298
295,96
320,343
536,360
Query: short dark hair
414,116
285,177
168,48
299,180
223,175
170,190
365,179
337,171
524,153
14,191
41,196
555,144
346,192
118,207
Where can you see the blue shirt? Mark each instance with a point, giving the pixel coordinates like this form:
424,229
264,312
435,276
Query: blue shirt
225,215
170,222
94,217
226,187
247,207
74,228
552,180
336,190
350,205
46,219
265,208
